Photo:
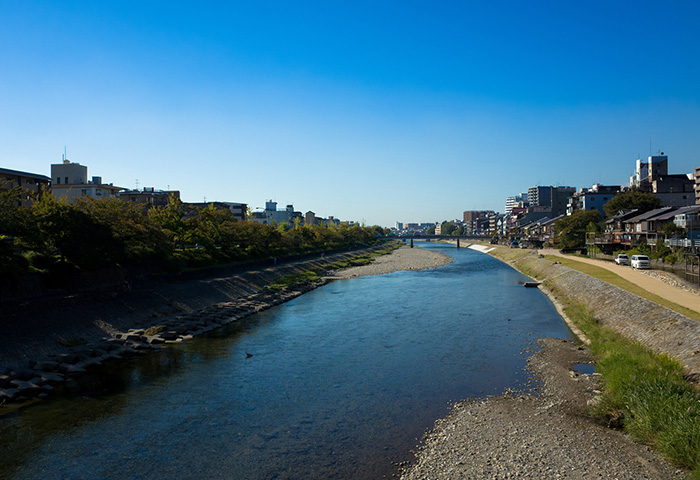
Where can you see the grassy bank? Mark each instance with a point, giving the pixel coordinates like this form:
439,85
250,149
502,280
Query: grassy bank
314,275
644,393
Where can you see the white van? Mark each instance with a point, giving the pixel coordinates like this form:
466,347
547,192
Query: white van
641,261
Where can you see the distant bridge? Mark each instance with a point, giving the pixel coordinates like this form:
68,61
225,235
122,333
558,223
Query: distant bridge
434,237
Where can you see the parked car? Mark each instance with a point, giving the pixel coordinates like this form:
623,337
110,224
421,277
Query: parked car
640,261
514,245
622,259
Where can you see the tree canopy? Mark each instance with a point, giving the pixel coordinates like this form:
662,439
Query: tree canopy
571,230
630,200
93,233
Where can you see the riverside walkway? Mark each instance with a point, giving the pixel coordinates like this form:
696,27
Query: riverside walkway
653,285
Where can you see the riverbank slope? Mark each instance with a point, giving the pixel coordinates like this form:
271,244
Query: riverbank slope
546,433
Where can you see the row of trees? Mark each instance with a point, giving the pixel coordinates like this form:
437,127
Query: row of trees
96,233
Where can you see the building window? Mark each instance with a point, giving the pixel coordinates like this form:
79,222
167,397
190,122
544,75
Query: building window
66,180
58,180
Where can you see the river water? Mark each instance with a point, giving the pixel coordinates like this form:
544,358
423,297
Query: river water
342,383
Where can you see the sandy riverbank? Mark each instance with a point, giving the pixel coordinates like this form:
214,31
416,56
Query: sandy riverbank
405,258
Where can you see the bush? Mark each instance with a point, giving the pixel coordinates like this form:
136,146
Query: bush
40,261
672,258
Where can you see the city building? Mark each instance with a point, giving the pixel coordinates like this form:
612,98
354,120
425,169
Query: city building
32,185
513,201
239,210
70,181
478,221
556,198
272,216
646,172
674,190
592,198
148,197
310,218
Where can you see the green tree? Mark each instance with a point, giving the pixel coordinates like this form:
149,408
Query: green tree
170,218
139,237
448,228
74,234
672,230
571,230
630,200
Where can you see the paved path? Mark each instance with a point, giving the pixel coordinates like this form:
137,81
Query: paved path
674,294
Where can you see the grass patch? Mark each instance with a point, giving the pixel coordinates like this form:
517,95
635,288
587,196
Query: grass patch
311,276
364,259
614,279
645,393
293,279
155,330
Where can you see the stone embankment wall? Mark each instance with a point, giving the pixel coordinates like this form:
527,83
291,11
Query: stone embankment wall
46,327
636,318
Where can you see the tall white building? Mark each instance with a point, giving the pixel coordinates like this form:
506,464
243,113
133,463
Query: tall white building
515,200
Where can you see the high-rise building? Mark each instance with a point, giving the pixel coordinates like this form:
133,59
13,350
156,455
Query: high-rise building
555,198
646,172
514,201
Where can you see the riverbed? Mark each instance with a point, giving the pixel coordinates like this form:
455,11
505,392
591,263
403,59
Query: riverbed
341,382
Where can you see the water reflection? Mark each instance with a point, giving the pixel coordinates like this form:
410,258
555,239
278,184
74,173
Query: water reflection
342,381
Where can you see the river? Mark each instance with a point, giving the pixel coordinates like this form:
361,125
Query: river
338,383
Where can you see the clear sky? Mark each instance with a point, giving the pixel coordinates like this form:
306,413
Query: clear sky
380,111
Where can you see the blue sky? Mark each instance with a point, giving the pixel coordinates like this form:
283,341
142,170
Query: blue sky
370,111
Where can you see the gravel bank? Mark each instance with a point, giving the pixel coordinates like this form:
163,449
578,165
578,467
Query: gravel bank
541,434
404,258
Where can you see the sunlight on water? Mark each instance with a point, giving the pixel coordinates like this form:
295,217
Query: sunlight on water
342,382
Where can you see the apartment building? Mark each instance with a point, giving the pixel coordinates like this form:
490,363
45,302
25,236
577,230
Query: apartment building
32,184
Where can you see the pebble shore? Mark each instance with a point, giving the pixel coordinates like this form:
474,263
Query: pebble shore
404,258
542,434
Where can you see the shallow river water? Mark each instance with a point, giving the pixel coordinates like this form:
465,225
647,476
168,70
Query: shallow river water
342,383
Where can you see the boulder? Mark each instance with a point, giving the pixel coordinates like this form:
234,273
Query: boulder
67,358
23,373
5,380
47,366
8,393
49,377
169,335
69,368
26,389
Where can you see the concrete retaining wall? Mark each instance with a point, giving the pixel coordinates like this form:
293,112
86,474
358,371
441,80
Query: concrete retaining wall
49,326
636,318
